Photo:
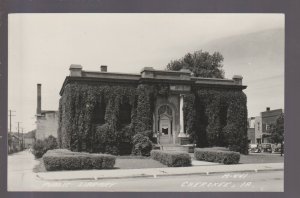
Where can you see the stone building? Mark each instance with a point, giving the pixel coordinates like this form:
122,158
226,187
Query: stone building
46,120
171,121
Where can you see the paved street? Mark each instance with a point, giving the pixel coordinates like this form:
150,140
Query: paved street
22,178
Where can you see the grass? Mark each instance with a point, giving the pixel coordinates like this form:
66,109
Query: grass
137,163
256,158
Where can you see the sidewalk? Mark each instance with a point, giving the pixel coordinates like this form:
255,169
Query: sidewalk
156,172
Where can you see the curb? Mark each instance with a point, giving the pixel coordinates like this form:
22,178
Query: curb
161,175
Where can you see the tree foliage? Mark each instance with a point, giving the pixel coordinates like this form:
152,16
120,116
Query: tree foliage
201,63
277,130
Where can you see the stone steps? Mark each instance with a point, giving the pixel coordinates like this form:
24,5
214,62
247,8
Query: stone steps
174,148
177,148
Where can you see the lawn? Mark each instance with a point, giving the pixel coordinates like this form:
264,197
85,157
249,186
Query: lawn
255,158
136,163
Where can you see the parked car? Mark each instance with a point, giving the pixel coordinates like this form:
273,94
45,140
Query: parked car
253,148
266,147
276,148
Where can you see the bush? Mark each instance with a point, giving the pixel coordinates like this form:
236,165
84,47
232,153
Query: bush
172,159
40,147
141,145
61,159
214,155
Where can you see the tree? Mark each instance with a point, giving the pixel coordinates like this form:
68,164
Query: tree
201,63
277,132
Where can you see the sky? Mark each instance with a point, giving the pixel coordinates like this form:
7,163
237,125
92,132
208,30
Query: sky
41,47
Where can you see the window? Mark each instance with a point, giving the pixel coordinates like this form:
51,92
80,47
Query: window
99,113
125,113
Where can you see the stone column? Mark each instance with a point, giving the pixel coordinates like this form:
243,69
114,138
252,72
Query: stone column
181,132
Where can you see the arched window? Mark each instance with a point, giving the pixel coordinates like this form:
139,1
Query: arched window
165,109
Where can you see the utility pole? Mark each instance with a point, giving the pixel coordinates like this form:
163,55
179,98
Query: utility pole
10,119
19,132
22,139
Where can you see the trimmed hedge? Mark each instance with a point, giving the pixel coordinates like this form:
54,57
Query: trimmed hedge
214,155
62,159
171,159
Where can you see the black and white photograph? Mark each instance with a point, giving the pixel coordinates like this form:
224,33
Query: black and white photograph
146,102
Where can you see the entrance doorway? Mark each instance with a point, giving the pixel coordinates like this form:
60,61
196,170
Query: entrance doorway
165,130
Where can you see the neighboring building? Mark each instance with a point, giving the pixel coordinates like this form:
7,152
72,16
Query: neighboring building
14,143
46,120
258,130
251,130
167,116
268,117
261,125
29,139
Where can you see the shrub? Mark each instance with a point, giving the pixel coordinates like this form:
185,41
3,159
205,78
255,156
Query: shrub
61,159
51,143
141,145
172,159
40,147
214,155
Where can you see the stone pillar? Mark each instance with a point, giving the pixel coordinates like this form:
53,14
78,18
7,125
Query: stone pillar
238,80
181,132
75,70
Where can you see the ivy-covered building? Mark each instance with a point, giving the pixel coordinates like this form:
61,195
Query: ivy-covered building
119,113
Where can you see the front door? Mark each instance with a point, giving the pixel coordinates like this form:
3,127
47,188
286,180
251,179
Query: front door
165,130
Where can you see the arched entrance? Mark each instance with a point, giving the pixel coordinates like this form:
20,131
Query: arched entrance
165,124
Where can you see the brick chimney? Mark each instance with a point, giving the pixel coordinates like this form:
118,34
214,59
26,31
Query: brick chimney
268,109
103,68
39,99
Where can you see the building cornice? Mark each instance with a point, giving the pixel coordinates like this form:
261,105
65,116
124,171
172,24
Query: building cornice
150,75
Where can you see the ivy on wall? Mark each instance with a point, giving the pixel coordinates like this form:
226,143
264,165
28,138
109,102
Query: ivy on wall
77,113
144,108
217,118
212,117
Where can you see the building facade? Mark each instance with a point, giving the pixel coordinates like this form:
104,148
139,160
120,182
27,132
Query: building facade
268,117
176,107
251,130
258,127
14,143
29,139
46,120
